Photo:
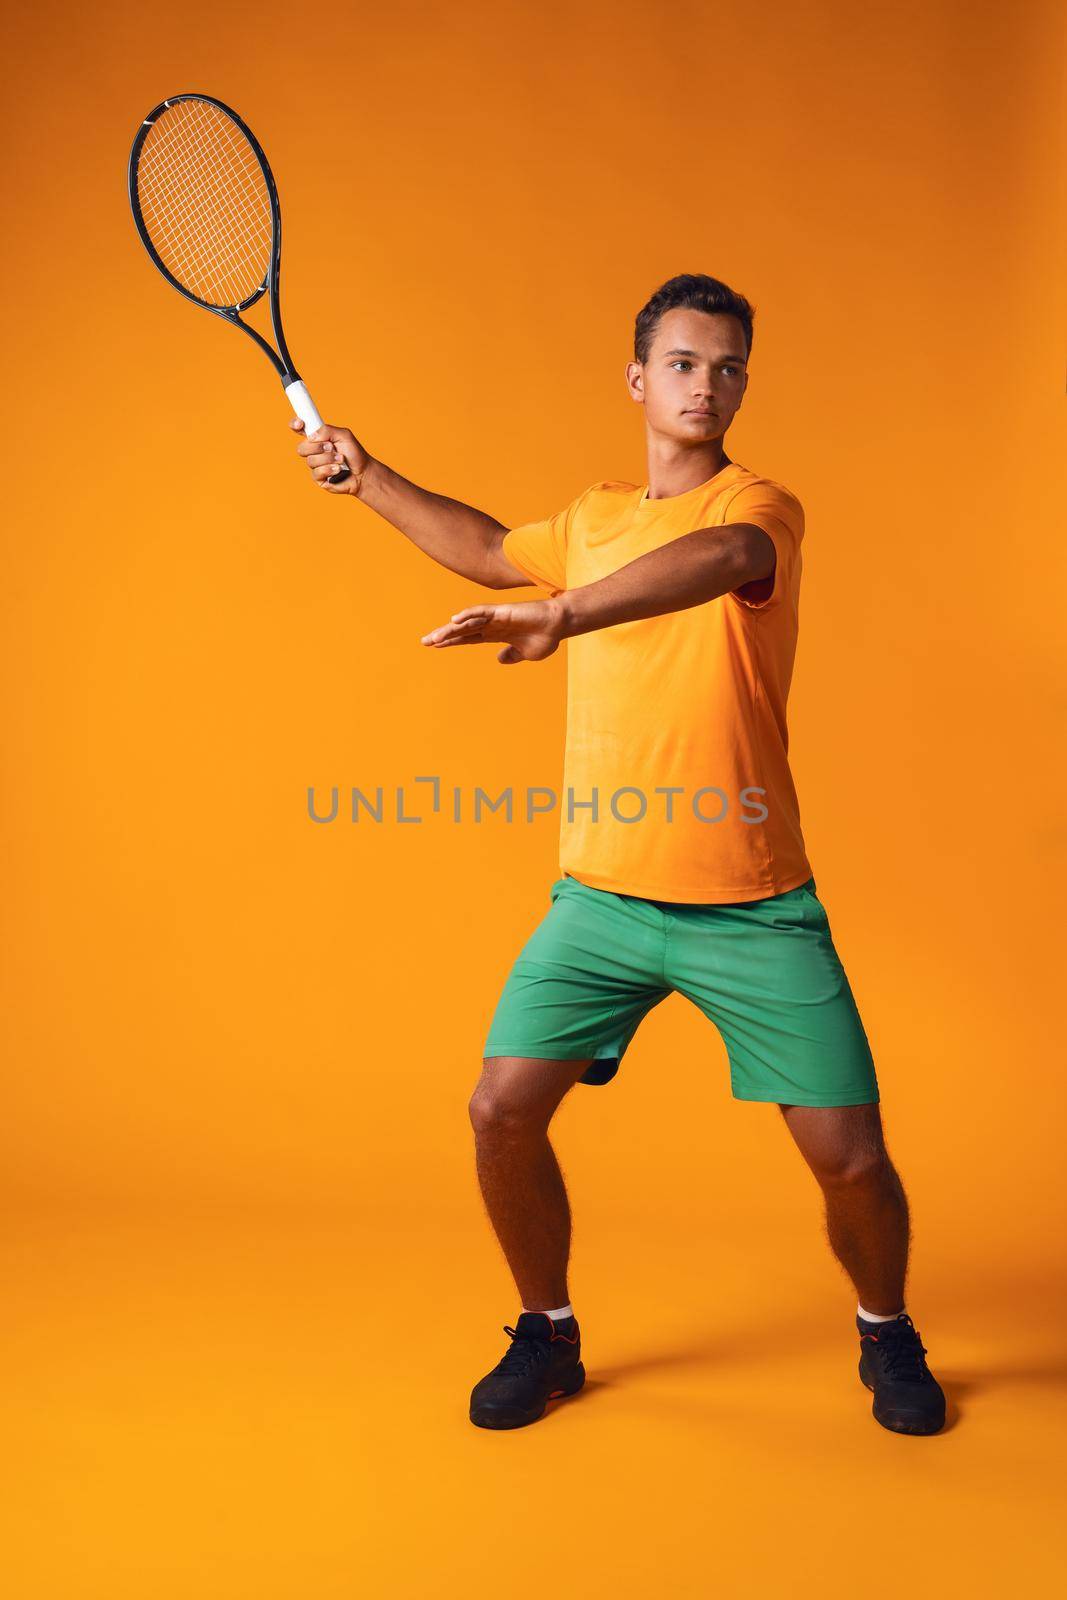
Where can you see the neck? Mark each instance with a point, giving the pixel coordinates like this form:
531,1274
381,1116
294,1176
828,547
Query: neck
673,468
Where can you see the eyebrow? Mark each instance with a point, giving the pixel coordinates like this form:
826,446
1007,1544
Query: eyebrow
738,360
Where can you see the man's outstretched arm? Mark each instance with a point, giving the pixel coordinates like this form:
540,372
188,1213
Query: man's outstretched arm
685,572
457,536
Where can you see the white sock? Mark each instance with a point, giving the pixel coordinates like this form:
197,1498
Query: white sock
873,1316
559,1315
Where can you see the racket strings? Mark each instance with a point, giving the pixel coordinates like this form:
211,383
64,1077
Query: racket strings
209,200
204,201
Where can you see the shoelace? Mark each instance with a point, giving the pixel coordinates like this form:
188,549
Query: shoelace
902,1351
523,1356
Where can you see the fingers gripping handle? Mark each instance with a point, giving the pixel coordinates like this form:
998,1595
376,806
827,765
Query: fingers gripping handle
307,411
304,406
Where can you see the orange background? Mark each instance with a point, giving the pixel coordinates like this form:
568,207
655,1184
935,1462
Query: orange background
248,1281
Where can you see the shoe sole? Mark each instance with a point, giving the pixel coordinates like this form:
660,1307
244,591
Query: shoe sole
918,1428
512,1420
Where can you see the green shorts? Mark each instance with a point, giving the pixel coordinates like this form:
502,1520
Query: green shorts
765,972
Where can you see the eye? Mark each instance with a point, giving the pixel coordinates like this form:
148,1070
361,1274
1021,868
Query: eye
682,363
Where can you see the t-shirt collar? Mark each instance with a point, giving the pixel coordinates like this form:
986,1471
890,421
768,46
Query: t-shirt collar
676,499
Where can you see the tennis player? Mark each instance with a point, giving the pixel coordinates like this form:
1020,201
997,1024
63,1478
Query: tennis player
683,862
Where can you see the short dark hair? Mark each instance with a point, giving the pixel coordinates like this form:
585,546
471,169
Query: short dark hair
690,291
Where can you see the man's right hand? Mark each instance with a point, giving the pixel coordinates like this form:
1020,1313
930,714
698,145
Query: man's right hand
327,451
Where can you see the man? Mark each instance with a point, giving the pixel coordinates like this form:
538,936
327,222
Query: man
684,867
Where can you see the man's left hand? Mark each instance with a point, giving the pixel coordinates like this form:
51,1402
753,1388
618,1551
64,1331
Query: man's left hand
532,630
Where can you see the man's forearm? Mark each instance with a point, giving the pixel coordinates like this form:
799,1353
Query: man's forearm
685,572
456,535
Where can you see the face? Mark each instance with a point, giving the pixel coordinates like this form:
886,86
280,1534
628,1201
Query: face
695,377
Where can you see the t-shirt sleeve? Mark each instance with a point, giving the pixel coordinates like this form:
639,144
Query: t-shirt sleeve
539,549
781,516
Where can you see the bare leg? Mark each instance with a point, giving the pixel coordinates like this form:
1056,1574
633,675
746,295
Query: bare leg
866,1208
522,1185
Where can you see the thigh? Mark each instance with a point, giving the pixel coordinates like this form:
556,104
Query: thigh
583,982
768,975
524,1087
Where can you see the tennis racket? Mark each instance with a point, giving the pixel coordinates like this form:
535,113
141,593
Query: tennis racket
206,207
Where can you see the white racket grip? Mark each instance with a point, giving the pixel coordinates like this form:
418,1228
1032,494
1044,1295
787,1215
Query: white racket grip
304,406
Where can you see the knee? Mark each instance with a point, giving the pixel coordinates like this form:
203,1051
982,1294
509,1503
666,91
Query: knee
849,1167
497,1115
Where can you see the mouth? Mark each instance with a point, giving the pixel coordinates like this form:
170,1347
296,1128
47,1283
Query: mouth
696,413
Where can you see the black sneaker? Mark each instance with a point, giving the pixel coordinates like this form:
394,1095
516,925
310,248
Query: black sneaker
907,1396
542,1363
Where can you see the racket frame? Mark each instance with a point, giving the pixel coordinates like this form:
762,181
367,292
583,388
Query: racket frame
281,360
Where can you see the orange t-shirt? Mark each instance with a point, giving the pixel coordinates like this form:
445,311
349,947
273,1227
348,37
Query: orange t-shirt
676,779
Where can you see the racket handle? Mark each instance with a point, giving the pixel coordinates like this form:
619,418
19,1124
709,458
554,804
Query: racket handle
303,405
